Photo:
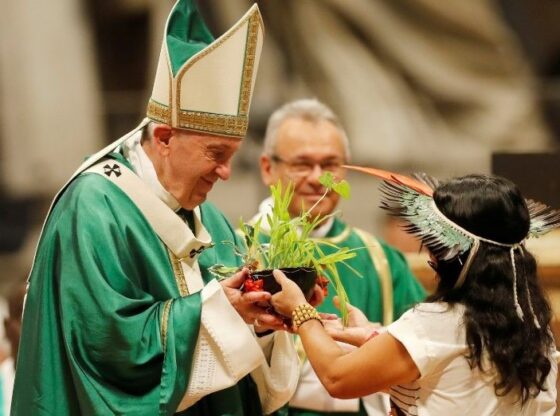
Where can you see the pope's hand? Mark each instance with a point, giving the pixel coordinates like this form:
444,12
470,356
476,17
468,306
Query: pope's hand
247,304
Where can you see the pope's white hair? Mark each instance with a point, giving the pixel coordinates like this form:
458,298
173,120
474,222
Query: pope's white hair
148,130
309,109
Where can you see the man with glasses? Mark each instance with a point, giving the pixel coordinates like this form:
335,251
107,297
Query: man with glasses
304,139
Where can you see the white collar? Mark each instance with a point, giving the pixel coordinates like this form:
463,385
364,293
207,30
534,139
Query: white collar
144,168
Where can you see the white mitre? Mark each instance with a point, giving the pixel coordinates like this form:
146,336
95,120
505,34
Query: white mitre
204,84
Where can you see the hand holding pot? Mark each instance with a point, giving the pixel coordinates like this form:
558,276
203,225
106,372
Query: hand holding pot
290,297
247,304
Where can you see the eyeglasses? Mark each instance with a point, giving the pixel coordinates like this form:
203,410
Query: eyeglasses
305,167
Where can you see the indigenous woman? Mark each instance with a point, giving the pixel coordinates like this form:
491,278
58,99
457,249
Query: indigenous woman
481,344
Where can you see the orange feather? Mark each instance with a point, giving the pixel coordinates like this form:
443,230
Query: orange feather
394,177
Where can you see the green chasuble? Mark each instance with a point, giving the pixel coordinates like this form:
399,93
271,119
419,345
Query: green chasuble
366,293
105,330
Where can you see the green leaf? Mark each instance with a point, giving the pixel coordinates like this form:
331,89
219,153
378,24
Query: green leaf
223,272
341,187
327,180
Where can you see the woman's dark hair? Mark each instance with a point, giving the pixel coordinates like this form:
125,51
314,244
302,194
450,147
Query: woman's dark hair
493,208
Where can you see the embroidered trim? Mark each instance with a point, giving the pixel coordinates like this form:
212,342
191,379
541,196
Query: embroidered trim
172,92
225,125
203,368
178,273
159,112
381,265
249,64
164,323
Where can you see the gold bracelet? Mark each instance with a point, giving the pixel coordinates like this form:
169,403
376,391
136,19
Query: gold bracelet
304,313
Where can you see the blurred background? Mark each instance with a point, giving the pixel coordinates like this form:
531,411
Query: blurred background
447,87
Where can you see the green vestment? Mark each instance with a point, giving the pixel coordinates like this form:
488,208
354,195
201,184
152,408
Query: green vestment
105,330
365,292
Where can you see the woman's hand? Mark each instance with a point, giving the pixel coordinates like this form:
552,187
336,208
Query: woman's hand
358,331
291,296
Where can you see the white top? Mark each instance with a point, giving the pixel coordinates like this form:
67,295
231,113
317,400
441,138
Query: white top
7,373
434,336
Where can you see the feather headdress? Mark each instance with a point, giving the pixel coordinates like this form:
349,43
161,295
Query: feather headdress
411,199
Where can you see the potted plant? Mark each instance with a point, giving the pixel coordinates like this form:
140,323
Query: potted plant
290,248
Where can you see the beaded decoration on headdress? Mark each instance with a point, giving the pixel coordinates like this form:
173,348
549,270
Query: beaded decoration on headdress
411,199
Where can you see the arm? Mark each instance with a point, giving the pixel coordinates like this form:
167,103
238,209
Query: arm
378,364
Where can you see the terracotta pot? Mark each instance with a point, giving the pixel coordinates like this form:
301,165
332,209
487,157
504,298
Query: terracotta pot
305,278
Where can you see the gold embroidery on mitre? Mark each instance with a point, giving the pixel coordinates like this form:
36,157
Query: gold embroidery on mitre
223,125
171,92
249,66
159,112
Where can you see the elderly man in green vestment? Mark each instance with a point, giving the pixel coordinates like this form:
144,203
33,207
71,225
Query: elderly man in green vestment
122,316
303,139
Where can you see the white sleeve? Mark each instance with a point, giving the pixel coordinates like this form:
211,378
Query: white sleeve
226,349
431,333
411,334
277,377
266,343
